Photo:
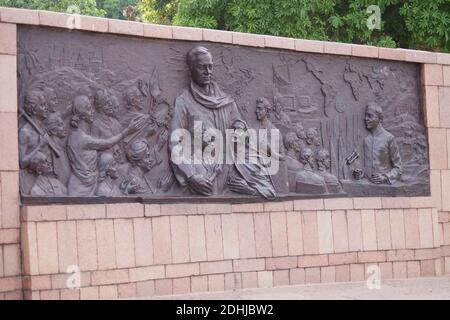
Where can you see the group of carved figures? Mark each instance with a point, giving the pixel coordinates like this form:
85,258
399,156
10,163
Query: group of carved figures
88,158
103,154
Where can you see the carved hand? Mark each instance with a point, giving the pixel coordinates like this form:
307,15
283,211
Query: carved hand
200,184
358,174
130,186
240,186
165,181
44,140
378,178
135,125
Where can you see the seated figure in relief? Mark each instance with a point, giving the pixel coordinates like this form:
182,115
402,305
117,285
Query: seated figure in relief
307,180
250,174
292,146
323,162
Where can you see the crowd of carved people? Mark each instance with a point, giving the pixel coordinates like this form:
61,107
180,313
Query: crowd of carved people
308,163
89,157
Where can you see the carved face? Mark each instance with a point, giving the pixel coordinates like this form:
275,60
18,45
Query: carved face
240,132
278,107
307,157
108,108
57,128
261,111
300,131
312,137
114,104
37,105
41,110
112,170
296,146
51,98
292,142
42,165
202,69
136,100
323,160
146,162
371,119
88,111
119,155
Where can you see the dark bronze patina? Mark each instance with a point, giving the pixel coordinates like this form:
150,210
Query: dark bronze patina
98,113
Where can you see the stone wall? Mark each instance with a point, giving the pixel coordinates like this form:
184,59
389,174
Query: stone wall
129,250
10,260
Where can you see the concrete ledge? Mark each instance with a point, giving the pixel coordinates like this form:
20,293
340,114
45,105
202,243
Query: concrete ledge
93,24
217,36
279,42
421,56
309,45
157,31
443,58
338,48
130,28
56,19
248,39
364,51
187,33
19,16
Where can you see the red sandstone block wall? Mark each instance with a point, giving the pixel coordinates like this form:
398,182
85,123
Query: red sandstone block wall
10,258
160,249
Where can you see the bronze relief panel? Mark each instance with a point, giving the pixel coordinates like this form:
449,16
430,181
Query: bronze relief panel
113,118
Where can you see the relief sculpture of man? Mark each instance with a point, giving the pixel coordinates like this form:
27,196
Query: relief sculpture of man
382,160
203,101
30,142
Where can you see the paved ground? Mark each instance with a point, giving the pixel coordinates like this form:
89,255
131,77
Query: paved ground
423,288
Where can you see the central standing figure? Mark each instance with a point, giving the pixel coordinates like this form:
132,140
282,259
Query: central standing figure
202,101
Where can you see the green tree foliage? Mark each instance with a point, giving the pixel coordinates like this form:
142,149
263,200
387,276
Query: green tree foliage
428,23
157,11
87,7
114,8
416,24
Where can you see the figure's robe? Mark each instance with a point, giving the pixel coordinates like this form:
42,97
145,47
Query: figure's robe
253,170
214,109
82,153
